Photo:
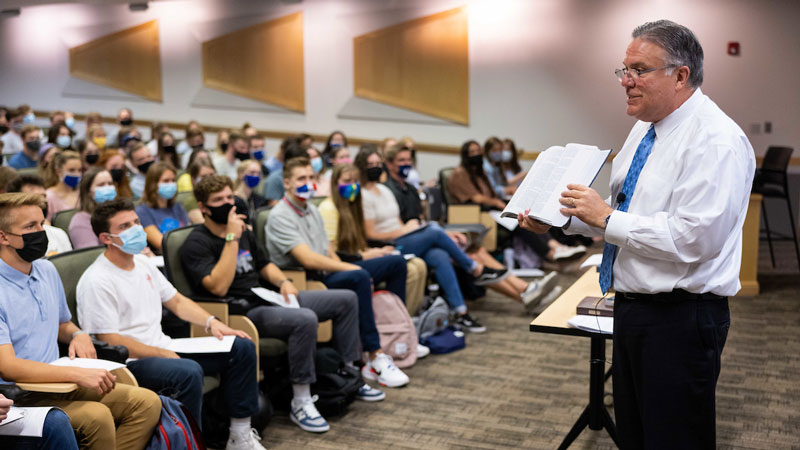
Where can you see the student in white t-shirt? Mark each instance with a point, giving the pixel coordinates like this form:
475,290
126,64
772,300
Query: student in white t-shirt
119,300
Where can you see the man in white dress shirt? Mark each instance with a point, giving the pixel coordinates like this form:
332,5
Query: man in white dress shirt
673,241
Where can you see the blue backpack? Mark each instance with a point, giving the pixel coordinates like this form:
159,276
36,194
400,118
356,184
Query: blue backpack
176,429
445,341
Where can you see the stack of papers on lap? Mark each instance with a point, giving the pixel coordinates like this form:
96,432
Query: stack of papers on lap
592,324
26,421
87,363
275,298
208,344
13,414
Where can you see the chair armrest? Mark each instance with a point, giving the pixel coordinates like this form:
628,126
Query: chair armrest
53,388
242,323
297,277
218,309
463,214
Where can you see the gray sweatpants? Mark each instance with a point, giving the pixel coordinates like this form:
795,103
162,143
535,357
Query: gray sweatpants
298,327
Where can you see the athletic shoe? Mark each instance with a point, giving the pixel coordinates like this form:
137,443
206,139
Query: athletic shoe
306,416
564,252
538,288
368,393
547,299
244,441
422,351
466,322
383,370
491,276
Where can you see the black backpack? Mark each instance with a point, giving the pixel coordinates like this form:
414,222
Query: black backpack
337,384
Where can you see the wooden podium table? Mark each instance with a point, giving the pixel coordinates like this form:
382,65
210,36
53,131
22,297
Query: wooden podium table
553,320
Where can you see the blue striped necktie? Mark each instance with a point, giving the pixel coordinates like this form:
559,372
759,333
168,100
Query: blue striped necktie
639,158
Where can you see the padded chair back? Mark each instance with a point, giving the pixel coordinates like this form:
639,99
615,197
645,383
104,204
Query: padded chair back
444,181
70,266
773,168
28,171
261,233
171,246
316,201
63,218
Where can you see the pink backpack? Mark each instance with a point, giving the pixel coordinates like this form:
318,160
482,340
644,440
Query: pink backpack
397,331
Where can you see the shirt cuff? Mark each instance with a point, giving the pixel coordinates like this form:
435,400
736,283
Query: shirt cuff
619,225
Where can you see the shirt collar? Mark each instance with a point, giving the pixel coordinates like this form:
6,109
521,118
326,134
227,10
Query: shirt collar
665,126
402,186
300,210
15,276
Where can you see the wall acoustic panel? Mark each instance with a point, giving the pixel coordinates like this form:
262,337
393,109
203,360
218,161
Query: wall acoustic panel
128,60
421,65
262,62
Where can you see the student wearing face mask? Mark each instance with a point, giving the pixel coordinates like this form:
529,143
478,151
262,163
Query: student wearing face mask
12,142
319,170
60,135
258,151
501,166
96,188
114,163
159,212
339,156
249,176
274,187
167,152
57,239
335,140
97,134
28,157
227,163
89,152
140,158
66,168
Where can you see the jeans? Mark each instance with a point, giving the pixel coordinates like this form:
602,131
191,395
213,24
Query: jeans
391,269
298,327
434,246
184,378
57,434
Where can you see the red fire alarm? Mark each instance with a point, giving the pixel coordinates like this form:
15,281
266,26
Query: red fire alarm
733,48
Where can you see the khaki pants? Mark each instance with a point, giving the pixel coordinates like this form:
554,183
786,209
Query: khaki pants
93,416
416,278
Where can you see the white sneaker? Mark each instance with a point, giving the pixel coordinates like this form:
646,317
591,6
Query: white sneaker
306,416
564,252
547,299
383,370
244,441
538,288
422,351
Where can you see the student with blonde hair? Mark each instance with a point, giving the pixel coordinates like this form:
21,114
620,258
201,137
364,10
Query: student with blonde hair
67,169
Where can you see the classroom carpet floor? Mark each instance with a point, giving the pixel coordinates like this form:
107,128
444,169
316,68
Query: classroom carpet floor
510,388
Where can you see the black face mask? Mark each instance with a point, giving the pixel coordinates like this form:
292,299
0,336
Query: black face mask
374,173
475,161
170,149
242,156
219,214
142,168
3,129
116,174
34,245
91,159
126,122
223,146
33,146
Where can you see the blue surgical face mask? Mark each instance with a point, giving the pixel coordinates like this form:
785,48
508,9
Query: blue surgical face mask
404,170
306,191
134,240
167,190
507,155
63,141
69,122
350,191
104,194
316,164
29,118
496,156
258,154
72,180
252,180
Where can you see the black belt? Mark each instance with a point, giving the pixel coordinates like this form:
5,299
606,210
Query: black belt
675,295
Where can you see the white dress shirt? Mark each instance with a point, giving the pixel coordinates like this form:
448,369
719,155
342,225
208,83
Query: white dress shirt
683,229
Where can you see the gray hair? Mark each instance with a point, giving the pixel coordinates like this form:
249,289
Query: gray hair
680,44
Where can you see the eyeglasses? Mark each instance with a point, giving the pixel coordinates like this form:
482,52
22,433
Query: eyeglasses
636,73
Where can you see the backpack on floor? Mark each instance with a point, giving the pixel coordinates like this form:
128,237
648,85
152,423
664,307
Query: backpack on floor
337,385
445,341
433,319
395,327
176,429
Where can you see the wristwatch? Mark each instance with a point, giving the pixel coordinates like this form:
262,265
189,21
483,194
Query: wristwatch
231,237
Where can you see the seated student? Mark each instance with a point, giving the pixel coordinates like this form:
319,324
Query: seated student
57,239
249,176
275,162
66,168
257,145
273,189
344,226
227,163
413,178
198,170
296,236
470,184
47,154
432,244
187,145
156,130
120,297
32,142
335,140
89,152
12,142
57,432
185,180
96,188
317,166
339,155
159,211
96,134
222,259
140,158
398,161
114,163
60,135
166,151
34,315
